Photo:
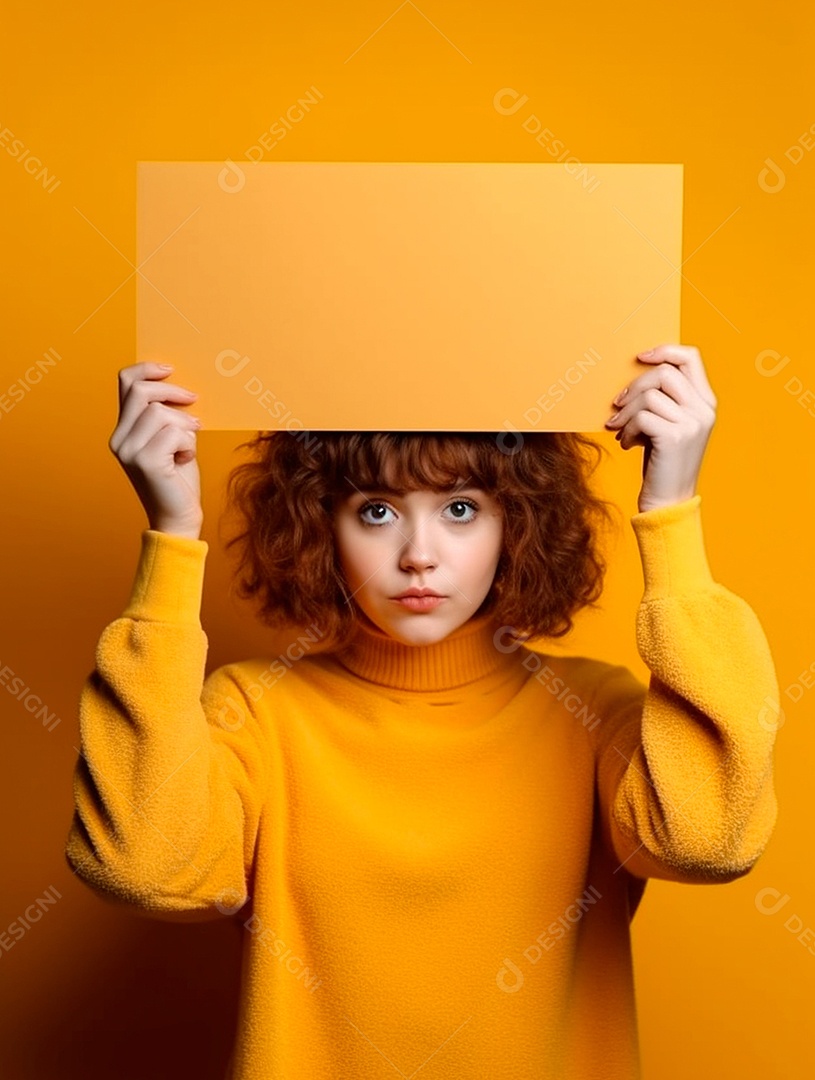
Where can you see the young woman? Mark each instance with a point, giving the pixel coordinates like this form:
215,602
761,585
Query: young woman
434,836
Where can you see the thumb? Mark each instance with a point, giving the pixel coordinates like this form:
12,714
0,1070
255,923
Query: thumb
646,456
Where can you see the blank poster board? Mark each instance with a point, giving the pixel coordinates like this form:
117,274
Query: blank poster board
444,296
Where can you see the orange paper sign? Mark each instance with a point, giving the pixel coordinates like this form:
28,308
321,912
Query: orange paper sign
406,295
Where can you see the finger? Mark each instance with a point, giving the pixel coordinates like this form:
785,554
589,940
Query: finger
652,400
155,418
138,394
147,369
166,449
138,424
689,360
665,377
645,425
181,446
140,373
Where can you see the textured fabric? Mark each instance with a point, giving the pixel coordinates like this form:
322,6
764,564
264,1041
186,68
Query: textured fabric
435,851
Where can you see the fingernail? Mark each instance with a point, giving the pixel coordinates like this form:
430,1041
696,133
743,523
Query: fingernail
620,396
166,367
649,353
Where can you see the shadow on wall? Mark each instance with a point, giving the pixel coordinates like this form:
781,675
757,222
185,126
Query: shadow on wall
157,1000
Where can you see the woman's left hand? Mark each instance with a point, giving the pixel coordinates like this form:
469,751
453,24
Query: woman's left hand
670,410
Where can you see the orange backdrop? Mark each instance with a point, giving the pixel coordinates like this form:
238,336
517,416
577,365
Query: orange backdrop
725,975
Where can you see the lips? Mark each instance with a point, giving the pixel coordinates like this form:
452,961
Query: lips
419,603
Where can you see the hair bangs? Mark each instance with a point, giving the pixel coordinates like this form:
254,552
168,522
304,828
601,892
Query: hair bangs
399,462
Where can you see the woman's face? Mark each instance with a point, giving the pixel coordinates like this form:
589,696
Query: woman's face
447,542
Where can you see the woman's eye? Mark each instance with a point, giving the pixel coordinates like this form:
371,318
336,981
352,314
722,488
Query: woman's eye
457,508
458,504
371,506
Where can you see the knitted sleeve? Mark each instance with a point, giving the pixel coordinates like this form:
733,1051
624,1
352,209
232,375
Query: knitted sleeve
684,768
173,768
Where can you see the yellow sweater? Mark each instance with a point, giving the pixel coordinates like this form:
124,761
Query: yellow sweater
435,851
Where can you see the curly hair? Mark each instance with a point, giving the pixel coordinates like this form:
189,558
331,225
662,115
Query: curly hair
550,563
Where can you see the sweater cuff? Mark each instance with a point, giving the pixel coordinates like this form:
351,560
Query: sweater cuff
169,580
672,548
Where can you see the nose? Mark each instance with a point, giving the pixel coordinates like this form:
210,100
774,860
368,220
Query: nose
416,551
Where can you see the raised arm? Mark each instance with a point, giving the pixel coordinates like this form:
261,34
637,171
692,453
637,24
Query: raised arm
173,769
685,769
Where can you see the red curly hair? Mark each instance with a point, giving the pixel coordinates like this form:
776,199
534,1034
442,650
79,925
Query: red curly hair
550,564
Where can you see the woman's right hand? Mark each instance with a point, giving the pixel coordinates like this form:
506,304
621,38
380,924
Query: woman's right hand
155,444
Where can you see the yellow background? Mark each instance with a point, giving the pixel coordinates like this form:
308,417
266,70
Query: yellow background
91,992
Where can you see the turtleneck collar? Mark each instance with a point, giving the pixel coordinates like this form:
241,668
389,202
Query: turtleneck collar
467,654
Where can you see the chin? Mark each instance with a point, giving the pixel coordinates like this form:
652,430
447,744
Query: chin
423,629
426,637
